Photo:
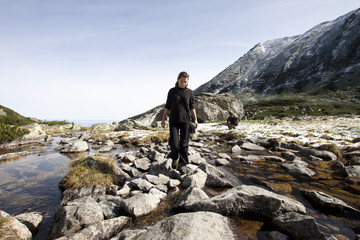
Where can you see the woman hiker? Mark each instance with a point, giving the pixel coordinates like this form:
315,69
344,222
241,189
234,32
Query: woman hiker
180,102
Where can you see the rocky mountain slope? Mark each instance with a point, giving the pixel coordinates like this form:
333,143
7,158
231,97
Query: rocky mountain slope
326,55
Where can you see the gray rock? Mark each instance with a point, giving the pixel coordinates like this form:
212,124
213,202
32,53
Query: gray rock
14,229
273,158
75,146
141,184
353,173
142,164
222,162
110,205
129,234
196,178
298,226
328,202
275,235
258,182
74,216
325,155
104,149
192,194
156,192
248,158
184,226
298,169
236,149
211,170
31,220
251,147
224,155
157,180
289,156
140,204
101,230
195,158
249,200
95,192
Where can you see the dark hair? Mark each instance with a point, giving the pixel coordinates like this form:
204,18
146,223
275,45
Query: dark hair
181,74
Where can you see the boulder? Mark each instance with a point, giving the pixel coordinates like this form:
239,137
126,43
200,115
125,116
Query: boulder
14,229
110,205
31,220
214,108
249,200
196,178
142,164
183,226
74,216
298,226
101,230
140,204
353,173
95,192
222,162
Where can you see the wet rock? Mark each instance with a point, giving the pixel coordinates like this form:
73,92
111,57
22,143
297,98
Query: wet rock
101,230
211,170
257,181
353,173
273,158
249,200
247,159
74,216
289,156
275,235
298,226
328,202
31,220
192,194
140,204
224,155
251,147
157,180
299,169
14,229
222,162
325,155
15,155
198,225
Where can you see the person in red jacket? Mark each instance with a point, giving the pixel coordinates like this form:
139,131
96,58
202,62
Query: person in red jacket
180,103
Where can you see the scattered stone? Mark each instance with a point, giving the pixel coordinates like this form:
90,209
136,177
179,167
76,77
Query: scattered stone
236,149
325,155
299,169
75,146
222,162
196,178
353,173
142,164
273,158
251,147
192,194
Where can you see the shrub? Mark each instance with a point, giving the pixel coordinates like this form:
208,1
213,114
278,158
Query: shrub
56,122
10,133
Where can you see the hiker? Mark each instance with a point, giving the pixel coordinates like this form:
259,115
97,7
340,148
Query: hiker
180,102
232,121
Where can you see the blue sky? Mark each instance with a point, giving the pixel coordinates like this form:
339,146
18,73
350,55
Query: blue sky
113,59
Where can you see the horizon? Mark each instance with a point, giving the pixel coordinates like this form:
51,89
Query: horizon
118,59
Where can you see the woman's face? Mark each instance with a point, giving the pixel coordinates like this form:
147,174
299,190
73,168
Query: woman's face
183,82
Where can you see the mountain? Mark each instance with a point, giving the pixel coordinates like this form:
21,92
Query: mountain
326,55
9,116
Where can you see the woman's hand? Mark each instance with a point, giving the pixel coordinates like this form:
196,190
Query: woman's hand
163,123
196,123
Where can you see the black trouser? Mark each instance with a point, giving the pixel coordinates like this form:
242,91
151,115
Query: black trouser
179,145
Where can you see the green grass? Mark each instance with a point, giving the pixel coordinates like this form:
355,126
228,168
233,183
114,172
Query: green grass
319,102
56,122
11,117
10,133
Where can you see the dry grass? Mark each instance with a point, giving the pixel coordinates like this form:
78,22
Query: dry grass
3,222
146,137
229,135
80,175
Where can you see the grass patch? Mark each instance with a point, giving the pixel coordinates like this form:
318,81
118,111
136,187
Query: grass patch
56,122
81,174
145,137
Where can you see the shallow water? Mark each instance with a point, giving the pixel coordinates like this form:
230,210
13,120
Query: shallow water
30,183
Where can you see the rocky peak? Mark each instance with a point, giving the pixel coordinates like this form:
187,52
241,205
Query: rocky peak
328,54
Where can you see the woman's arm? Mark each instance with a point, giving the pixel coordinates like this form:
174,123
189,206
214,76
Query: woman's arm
193,112
164,117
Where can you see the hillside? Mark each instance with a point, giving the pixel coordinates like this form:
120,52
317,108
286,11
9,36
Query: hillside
10,117
326,55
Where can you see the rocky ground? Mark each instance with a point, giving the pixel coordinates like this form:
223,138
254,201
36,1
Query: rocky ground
288,179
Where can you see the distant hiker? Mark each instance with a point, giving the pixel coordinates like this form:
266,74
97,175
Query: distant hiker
232,121
180,102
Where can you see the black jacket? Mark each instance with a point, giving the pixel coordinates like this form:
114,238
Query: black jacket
180,101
